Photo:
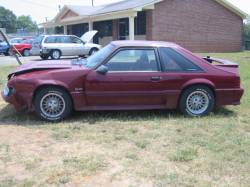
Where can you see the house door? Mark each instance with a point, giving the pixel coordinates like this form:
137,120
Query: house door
123,29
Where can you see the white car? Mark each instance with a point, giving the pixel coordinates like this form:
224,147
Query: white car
55,46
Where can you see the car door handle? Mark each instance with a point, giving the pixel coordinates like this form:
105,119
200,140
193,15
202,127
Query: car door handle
156,78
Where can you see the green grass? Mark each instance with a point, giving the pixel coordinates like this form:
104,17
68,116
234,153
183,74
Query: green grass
137,148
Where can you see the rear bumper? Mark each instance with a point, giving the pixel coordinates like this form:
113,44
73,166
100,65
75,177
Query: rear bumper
229,96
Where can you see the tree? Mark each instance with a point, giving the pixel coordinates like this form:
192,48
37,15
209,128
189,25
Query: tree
26,23
247,29
7,20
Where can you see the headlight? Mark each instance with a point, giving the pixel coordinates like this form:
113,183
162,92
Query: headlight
6,91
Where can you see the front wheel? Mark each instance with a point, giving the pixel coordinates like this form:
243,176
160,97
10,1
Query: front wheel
197,101
53,104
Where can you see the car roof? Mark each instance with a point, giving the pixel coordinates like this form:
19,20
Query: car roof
57,35
142,43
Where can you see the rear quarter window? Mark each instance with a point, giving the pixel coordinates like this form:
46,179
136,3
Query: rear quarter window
63,39
173,61
50,39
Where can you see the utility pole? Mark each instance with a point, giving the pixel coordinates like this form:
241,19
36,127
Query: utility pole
92,2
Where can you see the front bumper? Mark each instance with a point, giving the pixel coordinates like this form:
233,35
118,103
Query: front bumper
14,99
229,96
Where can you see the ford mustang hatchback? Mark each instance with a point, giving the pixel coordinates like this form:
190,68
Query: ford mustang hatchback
125,75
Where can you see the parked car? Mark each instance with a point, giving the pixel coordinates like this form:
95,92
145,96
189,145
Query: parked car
4,48
21,46
125,75
55,46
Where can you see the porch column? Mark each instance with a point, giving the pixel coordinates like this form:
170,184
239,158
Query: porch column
90,25
65,29
44,30
131,27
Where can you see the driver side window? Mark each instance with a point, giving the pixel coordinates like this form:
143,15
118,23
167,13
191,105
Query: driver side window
133,60
75,40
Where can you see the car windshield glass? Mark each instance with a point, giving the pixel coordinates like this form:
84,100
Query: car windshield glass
98,57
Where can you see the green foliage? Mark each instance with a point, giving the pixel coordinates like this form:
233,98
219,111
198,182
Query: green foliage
247,29
25,22
7,20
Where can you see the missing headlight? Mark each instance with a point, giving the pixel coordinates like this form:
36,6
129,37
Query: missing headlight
8,91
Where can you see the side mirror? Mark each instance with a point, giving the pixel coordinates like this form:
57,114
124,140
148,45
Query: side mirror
102,70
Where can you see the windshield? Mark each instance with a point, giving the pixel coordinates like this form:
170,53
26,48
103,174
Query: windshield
98,57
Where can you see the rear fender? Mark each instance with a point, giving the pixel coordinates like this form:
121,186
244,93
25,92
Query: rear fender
198,81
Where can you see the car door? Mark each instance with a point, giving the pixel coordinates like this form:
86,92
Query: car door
77,46
65,45
134,79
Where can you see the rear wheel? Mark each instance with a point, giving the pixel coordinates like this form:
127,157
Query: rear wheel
53,104
197,101
55,54
26,52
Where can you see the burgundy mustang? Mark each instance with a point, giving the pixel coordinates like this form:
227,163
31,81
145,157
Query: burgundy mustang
125,75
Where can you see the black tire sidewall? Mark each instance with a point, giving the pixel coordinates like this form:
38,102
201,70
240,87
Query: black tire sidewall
187,92
44,57
67,100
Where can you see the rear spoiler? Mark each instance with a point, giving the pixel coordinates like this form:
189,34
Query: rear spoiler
221,62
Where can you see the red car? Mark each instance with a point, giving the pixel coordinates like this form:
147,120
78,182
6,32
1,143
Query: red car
125,75
21,46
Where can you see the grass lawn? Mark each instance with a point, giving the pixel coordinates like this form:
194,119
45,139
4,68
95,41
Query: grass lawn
137,148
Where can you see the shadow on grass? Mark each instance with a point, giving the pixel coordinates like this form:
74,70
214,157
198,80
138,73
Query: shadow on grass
8,116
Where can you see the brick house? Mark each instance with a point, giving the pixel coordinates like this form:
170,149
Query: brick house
199,25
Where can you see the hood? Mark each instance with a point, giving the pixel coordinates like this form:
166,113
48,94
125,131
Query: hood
88,36
42,65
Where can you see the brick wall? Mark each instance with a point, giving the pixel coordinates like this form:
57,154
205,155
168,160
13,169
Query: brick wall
198,25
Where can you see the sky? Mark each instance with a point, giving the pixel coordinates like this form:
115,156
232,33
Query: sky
40,10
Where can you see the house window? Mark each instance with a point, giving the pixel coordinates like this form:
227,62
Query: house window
78,29
140,23
104,28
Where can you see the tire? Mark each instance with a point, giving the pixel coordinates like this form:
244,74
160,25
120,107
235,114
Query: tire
197,101
92,51
26,52
6,54
53,104
44,57
55,54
